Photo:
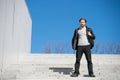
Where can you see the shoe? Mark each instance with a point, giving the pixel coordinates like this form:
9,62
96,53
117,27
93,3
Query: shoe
74,75
91,75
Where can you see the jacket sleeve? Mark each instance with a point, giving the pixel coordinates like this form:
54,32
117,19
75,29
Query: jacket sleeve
74,40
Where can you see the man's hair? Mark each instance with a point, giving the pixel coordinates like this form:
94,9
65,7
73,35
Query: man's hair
83,19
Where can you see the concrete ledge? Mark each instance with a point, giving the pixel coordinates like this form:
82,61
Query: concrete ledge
60,67
67,58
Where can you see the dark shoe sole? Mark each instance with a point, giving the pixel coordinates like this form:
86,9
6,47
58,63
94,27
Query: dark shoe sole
92,75
74,75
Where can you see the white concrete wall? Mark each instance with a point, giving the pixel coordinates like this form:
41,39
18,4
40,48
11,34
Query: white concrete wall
15,31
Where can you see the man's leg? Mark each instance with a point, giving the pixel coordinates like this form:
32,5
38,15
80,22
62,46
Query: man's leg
78,59
77,63
87,52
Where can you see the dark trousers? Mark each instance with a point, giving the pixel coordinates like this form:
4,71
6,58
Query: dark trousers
79,53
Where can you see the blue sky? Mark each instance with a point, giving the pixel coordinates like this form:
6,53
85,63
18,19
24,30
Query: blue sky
55,20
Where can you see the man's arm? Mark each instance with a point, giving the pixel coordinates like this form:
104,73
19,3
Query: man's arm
74,40
91,34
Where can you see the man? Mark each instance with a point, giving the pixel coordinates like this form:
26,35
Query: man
82,42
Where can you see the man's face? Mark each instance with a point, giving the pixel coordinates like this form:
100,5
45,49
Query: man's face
82,23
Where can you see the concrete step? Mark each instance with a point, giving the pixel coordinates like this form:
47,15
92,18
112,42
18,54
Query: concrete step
105,68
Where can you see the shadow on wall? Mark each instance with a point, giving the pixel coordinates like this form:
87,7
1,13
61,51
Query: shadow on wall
61,70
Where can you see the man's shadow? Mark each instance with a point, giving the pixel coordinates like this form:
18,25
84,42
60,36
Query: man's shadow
61,70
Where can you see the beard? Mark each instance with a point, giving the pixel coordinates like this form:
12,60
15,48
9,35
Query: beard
82,25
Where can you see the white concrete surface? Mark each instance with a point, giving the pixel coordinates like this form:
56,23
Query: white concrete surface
15,31
16,62
60,66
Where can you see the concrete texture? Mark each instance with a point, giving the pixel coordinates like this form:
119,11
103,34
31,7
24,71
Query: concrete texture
60,66
15,30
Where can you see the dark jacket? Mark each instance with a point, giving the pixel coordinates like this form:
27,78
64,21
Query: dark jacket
90,38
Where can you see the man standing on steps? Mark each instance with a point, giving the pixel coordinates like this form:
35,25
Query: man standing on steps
83,42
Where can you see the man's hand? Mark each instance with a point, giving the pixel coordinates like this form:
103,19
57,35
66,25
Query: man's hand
89,33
